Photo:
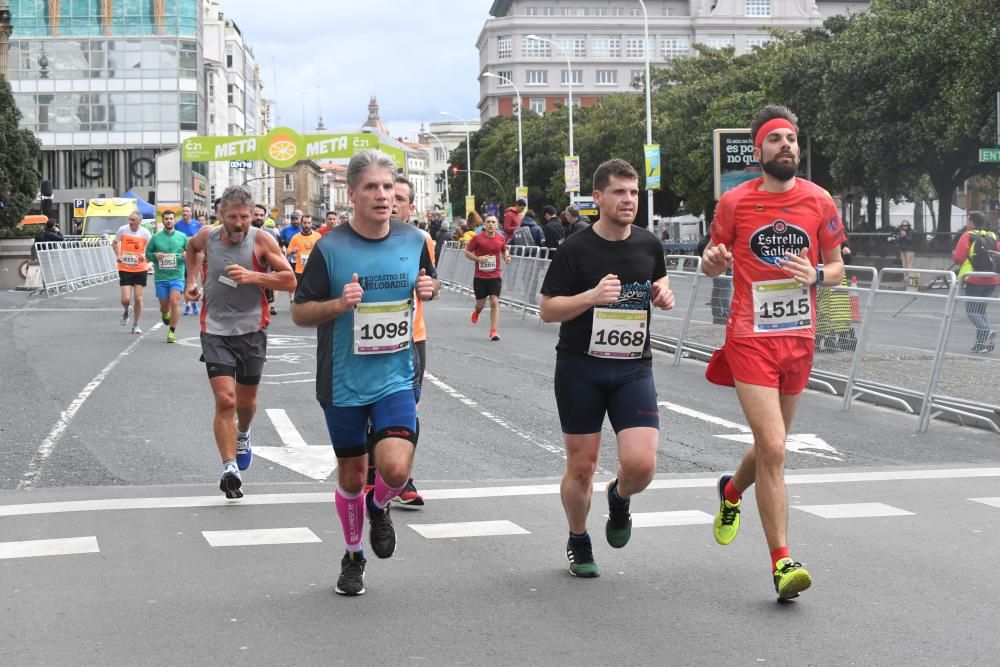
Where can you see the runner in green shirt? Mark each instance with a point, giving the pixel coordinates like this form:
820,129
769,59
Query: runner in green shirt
165,251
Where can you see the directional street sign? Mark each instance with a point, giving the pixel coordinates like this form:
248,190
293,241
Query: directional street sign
989,154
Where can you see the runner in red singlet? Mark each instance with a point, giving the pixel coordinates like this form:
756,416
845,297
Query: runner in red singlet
771,231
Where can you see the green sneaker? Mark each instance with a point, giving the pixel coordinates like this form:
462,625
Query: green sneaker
790,579
171,337
618,529
581,559
165,317
727,521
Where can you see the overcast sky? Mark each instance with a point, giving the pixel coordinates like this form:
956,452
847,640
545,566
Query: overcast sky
418,57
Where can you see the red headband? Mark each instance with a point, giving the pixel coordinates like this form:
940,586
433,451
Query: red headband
770,126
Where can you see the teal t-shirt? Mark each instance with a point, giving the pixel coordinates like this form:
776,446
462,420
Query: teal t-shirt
174,243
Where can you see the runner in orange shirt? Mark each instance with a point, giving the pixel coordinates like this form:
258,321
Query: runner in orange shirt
130,247
301,246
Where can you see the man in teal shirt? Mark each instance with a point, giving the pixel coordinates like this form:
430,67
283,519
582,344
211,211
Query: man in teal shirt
166,253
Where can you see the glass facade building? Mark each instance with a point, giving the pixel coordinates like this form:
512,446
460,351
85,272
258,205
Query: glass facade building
107,86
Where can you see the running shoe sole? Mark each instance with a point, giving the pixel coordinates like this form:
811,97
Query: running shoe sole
230,485
794,583
350,593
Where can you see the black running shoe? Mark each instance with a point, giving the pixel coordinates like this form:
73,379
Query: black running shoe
580,554
352,574
409,496
381,534
618,529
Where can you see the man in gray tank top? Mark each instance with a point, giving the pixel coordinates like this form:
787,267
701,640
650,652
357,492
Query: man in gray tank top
234,321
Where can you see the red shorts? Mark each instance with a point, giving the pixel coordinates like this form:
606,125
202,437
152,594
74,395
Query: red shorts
782,362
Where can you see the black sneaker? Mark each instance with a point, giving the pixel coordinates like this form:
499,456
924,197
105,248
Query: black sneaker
618,529
409,496
352,574
381,534
580,554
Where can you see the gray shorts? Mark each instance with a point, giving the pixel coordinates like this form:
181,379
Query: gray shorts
240,356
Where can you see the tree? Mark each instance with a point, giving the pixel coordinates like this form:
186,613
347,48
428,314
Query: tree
19,148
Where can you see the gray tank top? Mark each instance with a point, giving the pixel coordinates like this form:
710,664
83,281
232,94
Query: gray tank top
232,311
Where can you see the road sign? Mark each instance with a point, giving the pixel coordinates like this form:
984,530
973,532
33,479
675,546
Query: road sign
989,154
78,207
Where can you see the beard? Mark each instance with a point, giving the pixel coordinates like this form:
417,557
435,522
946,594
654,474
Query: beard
236,236
781,171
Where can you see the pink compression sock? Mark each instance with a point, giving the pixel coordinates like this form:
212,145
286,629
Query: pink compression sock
383,492
351,510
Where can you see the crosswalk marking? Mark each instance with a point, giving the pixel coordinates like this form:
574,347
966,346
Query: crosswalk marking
255,537
674,518
55,547
468,529
853,510
992,502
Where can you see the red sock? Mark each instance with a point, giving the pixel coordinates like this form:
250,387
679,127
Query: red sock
730,493
778,554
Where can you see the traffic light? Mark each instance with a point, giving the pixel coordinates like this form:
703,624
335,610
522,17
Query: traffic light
454,170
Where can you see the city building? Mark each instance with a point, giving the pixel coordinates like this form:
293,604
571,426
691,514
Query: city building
301,187
604,42
233,94
335,187
110,89
442,138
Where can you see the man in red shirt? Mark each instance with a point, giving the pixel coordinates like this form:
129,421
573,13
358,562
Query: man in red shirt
977,284
512,218
485,250
771,231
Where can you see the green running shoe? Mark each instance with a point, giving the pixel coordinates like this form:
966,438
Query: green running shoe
165,317
618,529
727,521
790,579
171,337
581,559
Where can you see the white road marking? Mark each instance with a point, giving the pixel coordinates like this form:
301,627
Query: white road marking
435,531
533,439
45,449
992,502
674,518
58,547
853,510
289,381
218,500
244,538
285,375
801,443
315,462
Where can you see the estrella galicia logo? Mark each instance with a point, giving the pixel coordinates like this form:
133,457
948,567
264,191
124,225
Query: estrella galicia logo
771,242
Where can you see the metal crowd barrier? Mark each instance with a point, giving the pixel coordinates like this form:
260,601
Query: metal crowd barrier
909,338
73,265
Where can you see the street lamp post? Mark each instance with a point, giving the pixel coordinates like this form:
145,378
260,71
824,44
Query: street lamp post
447,193
468,147
569,81
649,110
520,142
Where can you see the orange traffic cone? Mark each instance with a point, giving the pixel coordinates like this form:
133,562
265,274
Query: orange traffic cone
855,301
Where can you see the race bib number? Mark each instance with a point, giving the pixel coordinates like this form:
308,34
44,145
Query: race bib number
382,328
618,334
168,262
781,305
130,259
488,264
304,259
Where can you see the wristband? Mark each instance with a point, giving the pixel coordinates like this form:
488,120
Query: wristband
819,275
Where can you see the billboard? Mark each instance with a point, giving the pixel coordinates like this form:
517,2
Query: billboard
282,147
734,161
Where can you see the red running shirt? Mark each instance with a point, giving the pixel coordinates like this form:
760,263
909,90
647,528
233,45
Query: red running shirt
481,245
759,228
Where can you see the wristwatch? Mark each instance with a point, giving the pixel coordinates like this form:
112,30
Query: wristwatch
819,275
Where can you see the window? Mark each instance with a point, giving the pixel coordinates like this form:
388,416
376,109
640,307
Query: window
575,46
668,11
607,77
619,11
230,89
508,75
601,11
577,77
211,87
229,60
674,47
531,11
757,7
535,48
504,50
605,47
636,77
635,11
548,11
439,154
565,11
289,182
189,111
536,77
583,11
720,41
537,104
757,41
634,47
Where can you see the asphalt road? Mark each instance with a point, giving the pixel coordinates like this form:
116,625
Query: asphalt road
108,460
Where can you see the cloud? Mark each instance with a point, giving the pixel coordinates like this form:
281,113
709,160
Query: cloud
418,57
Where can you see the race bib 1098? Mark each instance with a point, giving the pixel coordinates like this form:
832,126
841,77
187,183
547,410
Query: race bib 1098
382,328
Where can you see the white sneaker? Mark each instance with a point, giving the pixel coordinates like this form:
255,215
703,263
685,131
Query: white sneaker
136,329
126,315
